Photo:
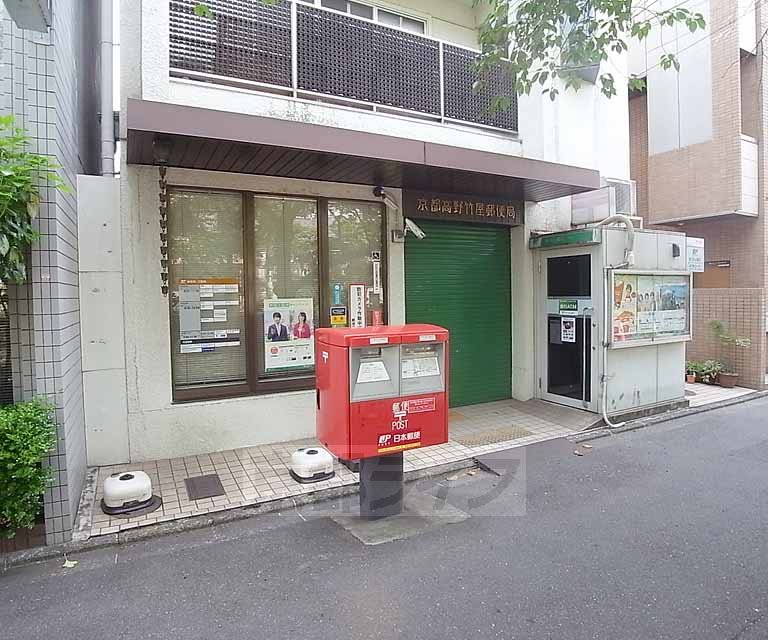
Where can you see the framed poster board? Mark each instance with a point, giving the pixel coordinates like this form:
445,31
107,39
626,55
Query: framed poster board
650,307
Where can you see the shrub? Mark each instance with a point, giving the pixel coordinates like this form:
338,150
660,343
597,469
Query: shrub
694,367
710,369
27,435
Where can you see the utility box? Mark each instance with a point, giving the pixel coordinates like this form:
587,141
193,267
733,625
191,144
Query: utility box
381,390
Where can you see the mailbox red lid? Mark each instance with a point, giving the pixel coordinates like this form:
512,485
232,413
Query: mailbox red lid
382,335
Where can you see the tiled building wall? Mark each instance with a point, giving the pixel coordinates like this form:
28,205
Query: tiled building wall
638,149
737,239
743,313
41,83
682,179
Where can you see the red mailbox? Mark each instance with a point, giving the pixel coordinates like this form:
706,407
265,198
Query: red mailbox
381,390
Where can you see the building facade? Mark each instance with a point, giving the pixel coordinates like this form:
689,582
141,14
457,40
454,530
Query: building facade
697,155
53,95
266,176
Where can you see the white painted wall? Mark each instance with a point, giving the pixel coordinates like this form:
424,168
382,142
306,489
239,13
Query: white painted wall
101,319
156,426
749,175
679,103
581,128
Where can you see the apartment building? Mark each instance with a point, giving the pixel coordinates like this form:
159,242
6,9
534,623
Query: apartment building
53,94
271,153
698,157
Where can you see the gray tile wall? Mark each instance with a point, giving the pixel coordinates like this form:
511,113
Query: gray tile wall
44,81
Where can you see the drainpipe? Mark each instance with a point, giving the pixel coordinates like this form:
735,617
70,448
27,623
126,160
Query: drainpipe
107,108
629,261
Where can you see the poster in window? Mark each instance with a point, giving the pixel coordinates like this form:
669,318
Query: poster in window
648,307
289,334
357,305
568,329
672,294
624,306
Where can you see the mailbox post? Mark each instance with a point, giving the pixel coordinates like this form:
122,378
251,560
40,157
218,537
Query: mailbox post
381,391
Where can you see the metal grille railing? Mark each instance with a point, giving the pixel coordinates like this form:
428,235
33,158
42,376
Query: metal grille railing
335,55
463,102
245,39
352,58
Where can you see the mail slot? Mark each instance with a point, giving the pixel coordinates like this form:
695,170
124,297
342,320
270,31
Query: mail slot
381,390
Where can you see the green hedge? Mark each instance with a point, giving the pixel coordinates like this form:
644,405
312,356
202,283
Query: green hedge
27,435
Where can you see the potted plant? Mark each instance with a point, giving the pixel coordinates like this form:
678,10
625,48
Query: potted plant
27,436
693,371
730,343
710,371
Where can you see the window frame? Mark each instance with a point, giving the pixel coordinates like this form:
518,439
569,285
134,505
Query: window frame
376,8
268,386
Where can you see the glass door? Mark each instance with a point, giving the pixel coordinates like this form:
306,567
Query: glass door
568,319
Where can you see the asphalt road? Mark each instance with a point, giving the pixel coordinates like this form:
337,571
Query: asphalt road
659,533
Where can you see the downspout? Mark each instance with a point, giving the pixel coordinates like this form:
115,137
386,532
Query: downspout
107,107
629,261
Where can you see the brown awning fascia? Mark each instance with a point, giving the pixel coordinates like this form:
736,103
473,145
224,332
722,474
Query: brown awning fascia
536,179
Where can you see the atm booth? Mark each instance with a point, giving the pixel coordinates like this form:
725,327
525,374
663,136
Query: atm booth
381,391
613,313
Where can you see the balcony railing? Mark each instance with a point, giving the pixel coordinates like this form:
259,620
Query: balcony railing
316,53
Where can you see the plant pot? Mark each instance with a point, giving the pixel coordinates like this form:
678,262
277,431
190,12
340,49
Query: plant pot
690,378
727,380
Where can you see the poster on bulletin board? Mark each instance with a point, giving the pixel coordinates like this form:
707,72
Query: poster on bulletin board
650,307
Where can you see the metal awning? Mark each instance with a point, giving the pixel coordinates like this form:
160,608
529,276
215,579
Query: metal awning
196,138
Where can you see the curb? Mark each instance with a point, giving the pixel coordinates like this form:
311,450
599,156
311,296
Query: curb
39,554
641,423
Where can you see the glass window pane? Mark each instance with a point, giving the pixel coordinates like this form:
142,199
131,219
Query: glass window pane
354,242
339,5
409,24
286,269
361,10
205,245
391,19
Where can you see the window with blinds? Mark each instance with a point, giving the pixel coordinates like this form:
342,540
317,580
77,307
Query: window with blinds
247,291
355,254
285,254
206,275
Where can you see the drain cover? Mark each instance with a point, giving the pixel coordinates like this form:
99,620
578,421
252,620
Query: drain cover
492,437
201,487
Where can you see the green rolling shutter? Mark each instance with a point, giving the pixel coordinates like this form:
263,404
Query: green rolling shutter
459,277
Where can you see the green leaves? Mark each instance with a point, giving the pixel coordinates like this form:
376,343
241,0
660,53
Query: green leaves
202,10
550,43
22,173
27,435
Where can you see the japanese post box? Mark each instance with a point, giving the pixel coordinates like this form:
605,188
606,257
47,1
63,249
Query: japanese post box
381,390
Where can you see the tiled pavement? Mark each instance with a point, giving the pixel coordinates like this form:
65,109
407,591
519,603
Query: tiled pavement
260,474
701,394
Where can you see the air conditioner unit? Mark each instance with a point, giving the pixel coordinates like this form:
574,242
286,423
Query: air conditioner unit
34,15
615,197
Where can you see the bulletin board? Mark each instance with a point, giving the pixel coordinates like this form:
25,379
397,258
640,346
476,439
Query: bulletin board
650,307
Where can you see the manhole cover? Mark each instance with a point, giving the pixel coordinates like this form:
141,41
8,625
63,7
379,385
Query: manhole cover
201,487
492,437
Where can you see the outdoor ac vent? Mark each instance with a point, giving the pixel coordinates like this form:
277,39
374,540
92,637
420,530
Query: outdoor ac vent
615,197
626,196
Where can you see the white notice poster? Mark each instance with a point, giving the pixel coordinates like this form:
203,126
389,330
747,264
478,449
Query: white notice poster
372,372
420,368
568,329
357,305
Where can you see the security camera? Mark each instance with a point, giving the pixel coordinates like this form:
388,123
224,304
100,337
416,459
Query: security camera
380,192
411,226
